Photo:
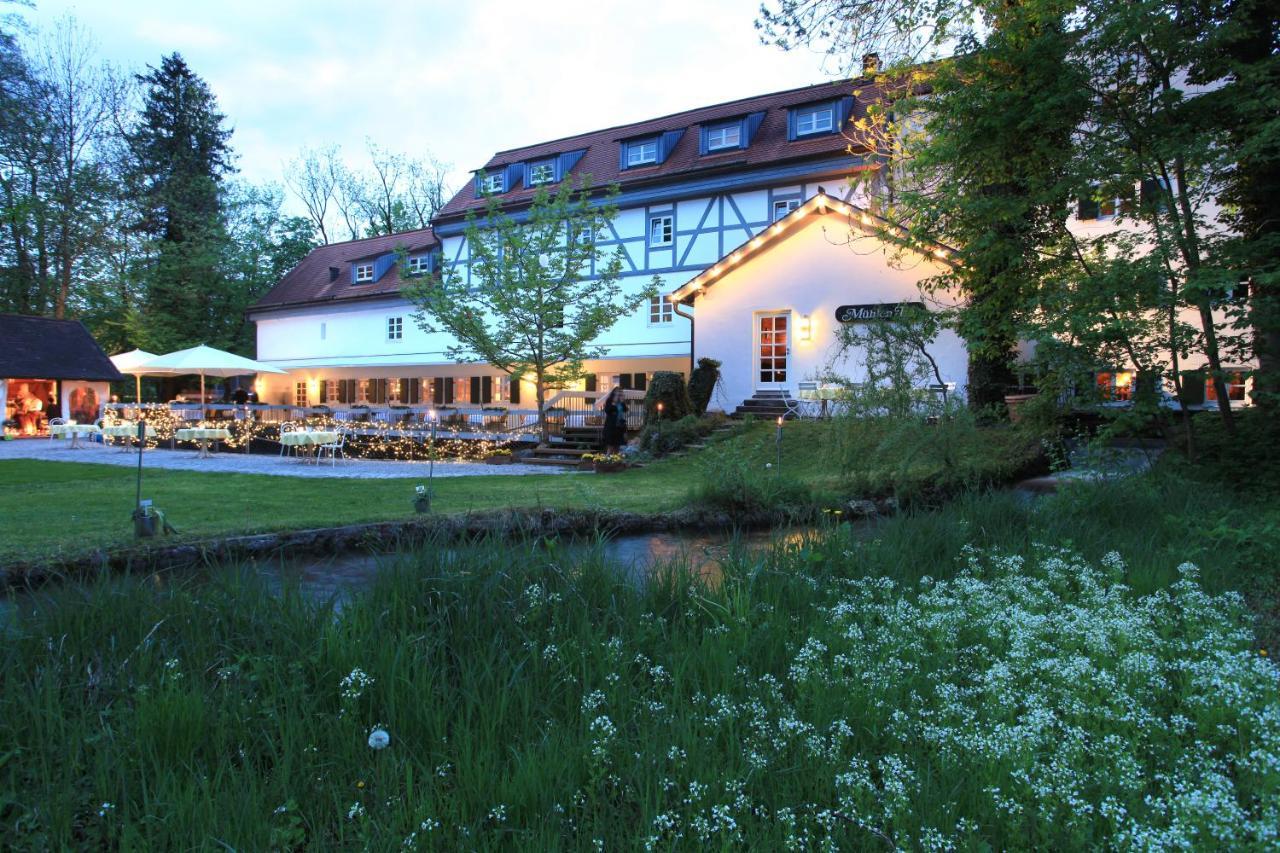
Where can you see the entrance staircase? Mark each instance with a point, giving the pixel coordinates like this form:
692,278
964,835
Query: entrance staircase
768,404
567,453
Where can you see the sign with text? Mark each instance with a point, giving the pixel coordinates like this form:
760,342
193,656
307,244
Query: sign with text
878,311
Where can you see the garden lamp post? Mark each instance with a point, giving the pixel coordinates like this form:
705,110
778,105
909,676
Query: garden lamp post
778,441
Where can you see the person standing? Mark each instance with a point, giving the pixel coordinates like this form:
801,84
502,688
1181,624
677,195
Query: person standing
614,434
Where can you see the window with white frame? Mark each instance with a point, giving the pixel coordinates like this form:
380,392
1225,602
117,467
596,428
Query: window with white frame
820,119
782,207
1234,379
393,391
660,310
364,272
395,328
641,153
332,391
542,173
492,183
300,394
418,265
661,230
362,391
1115,386
724,136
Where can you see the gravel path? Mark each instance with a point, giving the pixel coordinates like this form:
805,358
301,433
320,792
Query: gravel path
58,450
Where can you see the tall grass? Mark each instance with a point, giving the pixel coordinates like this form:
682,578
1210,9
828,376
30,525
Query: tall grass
987,675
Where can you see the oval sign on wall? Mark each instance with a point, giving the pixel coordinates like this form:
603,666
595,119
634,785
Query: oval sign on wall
877,311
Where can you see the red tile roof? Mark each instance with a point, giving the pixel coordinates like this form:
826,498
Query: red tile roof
312,281
602,161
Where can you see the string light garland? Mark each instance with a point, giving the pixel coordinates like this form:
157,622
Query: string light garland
455,437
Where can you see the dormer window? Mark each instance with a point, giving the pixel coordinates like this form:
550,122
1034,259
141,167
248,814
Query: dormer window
418,265
642,152
817,119
724,136
543,172
491,184
363,273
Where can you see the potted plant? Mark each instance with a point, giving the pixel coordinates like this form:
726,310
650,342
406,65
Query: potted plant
609,463
1015,397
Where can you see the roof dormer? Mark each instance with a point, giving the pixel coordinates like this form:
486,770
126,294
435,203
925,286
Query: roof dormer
734,134
820,118
648,150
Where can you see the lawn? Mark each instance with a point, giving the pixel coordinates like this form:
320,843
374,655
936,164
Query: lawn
1070,673
64,508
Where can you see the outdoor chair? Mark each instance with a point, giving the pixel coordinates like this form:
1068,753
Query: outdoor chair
333,449
808,404
286,449
53,422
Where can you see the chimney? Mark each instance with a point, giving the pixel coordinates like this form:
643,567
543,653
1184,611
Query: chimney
870,64
333,273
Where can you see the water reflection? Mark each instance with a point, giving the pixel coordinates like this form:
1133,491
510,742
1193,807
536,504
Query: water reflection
338,576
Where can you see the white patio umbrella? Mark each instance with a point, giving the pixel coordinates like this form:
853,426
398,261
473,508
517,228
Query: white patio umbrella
130,362
206,361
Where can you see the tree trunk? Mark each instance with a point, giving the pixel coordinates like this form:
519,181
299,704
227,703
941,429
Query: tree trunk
989,378
540,393
1215,368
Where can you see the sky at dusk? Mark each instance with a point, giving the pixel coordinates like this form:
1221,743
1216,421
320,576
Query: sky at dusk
460,80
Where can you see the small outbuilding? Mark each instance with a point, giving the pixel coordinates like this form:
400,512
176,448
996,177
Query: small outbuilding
50,368
769,310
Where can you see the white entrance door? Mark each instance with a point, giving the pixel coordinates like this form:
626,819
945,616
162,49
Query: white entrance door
773,349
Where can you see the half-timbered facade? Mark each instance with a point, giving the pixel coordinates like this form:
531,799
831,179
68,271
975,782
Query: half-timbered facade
692,186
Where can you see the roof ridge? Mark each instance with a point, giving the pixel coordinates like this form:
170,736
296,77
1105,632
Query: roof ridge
376,237
849,80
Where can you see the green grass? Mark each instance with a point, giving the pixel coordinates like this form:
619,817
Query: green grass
55,508
983,676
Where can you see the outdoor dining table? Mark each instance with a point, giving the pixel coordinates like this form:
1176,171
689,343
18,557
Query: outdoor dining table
204,435
308,440
126,431
74,431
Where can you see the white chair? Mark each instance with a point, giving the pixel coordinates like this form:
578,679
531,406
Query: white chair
808,404
333,449
286,449
53,422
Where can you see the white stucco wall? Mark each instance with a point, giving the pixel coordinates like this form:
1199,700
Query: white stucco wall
810,272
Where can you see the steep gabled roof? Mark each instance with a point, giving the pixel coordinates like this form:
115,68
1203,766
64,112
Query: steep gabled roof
43,348
326,274
857,218
601,160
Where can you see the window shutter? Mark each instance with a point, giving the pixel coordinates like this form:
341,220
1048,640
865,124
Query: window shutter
591,382
324,392
437,391
1087,209
515,391
641,382
475,389
448,390
1193,388
486,389
624,381
404,391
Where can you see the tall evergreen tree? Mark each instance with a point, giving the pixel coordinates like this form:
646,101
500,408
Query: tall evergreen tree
181,155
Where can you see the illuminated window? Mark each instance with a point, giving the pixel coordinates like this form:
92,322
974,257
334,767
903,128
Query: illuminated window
300,394
333,391
462,389
1235,387
1115,386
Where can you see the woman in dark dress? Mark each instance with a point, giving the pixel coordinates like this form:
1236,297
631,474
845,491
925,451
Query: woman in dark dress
615,420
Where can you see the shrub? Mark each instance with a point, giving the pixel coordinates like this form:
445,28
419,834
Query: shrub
669,437
667,387
741,486
702,383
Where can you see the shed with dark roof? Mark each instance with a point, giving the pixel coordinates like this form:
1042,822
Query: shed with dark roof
50,368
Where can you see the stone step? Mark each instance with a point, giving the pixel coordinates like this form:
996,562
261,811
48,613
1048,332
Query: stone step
546,460
561,450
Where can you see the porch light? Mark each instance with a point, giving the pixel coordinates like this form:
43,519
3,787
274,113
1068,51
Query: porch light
805,328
